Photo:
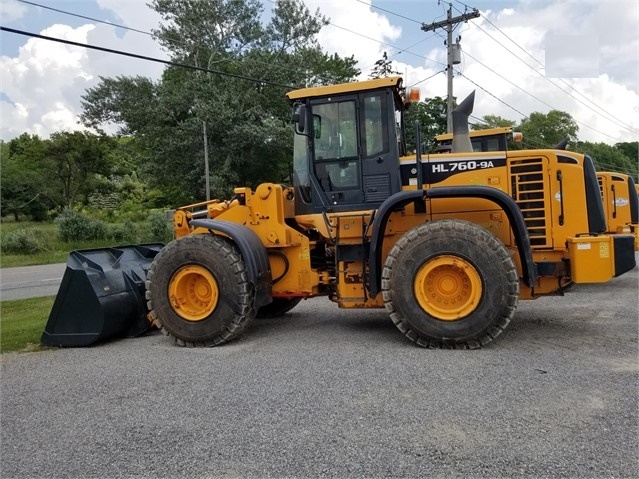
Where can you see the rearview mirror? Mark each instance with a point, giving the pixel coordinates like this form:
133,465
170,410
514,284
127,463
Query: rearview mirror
299,118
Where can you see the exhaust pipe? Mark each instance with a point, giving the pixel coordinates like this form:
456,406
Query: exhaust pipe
461,138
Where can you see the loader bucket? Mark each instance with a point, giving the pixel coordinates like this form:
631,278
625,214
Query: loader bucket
101,296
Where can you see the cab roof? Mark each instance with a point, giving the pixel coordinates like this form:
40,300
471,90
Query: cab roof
394,81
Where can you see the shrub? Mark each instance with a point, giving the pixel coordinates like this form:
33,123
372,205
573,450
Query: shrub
74,226
23,241
158,227
124,233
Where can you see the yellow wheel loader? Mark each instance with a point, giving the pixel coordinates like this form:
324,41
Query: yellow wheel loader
447,243
621,204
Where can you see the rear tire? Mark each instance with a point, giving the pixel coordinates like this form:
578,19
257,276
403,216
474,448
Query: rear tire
198,291
450,284
279,307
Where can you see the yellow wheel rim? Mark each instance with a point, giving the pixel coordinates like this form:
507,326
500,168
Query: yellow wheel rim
448,287
193,292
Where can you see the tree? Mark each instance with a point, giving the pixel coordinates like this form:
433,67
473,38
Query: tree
608,158
546,130
383,68
432,120
26,189
630,149
492,121
249,135
76,157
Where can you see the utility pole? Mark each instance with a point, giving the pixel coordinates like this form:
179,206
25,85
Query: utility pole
206,162
450,24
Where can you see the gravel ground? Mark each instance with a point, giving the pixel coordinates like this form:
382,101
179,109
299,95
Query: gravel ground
323,392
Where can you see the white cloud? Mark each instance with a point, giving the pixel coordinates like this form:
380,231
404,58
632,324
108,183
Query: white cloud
368,25
527,87
36,83
507,85
11,10
45,81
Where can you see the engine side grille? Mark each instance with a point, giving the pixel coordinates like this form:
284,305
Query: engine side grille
601,187
527,186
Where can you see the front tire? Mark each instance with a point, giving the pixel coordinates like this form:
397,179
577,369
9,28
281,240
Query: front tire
450,284
198,291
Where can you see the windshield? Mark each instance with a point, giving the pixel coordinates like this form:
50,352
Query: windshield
335,133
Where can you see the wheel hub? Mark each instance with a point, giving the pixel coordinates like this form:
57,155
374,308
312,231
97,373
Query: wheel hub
448,287
194,293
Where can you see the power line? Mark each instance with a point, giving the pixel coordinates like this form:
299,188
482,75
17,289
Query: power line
404,50
85,17
401,51
607,115
538,99
425,79
378,41
385,43
144,57
388,11
560,79
493,95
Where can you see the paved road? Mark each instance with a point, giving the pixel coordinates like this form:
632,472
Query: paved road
324,392
30,281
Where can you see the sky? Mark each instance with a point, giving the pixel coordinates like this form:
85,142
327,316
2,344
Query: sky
521,56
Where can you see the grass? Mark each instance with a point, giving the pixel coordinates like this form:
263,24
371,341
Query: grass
57,250
22,322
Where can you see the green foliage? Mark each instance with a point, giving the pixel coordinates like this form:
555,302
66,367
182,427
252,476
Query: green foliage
630,149
74,226
77,157
122,233
383,68
432,121
43,175
25,241
546,130
158,227
24,175
608,158
249,137
492,121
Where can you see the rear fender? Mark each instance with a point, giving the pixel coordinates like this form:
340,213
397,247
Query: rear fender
253,253
401,199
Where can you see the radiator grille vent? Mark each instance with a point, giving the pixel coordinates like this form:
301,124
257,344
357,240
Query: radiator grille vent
527,187
601,187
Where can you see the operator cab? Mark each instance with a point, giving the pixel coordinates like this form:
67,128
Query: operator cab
347,145
492,139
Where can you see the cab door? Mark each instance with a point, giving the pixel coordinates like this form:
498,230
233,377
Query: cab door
379,147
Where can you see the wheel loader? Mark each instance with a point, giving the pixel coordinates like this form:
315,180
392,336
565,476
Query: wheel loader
446,243
621,203
490,139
